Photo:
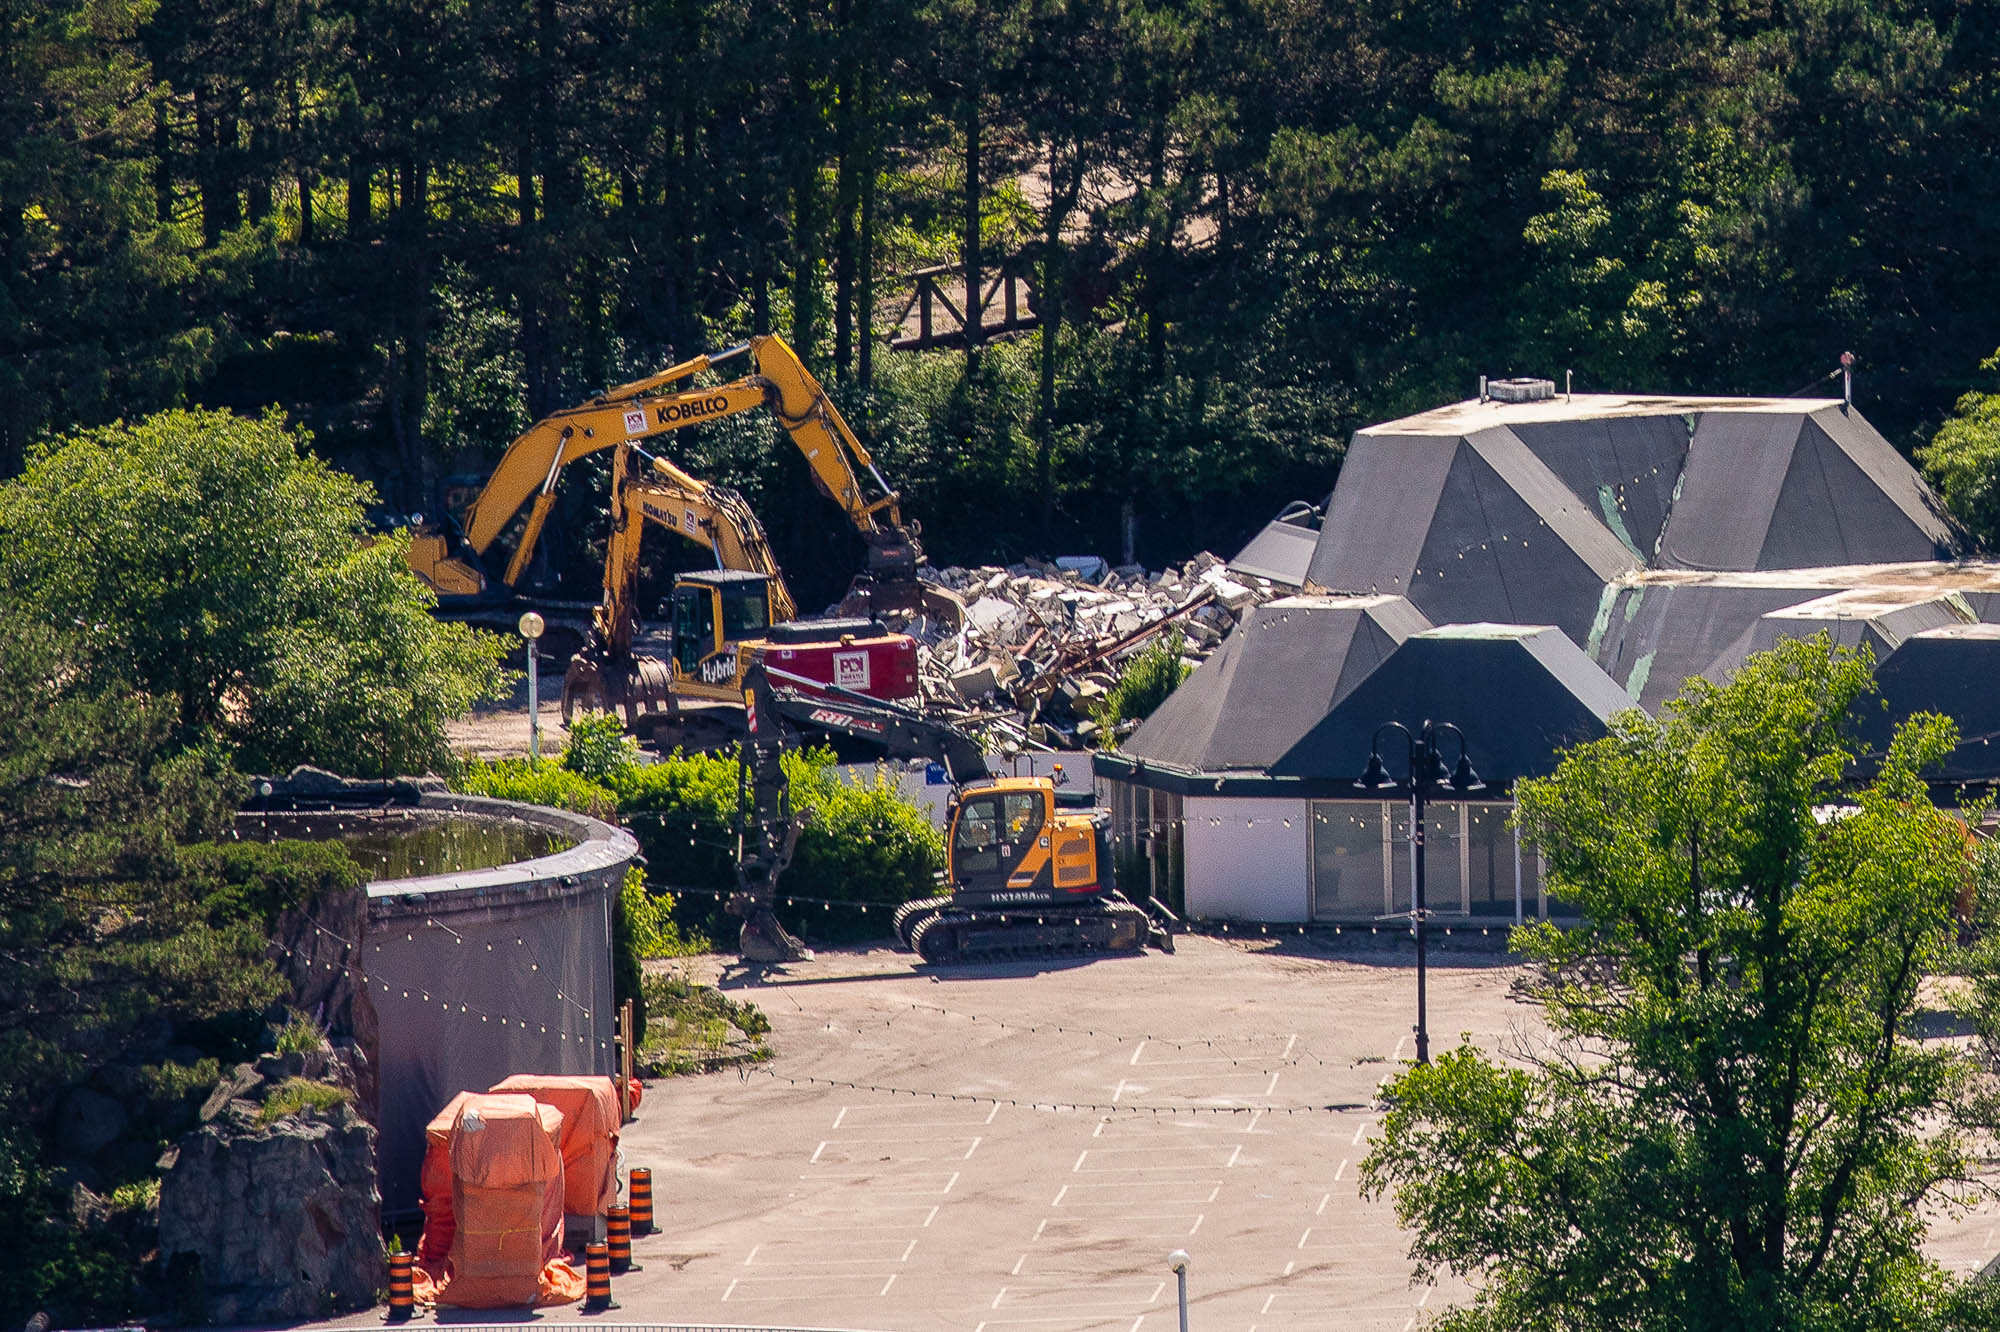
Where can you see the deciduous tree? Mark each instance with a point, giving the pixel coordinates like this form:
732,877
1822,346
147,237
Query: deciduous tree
1729,1124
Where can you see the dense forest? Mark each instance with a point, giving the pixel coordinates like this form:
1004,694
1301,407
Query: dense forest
1249,226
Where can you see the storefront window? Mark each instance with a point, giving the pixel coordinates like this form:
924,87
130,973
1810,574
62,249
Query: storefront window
1489,845
1347,859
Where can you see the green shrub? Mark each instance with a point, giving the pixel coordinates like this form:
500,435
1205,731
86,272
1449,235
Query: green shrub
301,1035
141,1195
598,748
80,1276
862,843
179,1082
643,927
697,1028
1143,685
543,782
296,1094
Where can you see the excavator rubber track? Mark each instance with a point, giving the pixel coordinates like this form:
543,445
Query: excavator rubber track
912,914
958,935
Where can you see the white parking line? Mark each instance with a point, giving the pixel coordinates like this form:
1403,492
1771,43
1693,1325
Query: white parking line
853,1252
897,1184
871,1217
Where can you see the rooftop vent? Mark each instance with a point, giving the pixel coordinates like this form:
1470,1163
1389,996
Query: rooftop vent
1521,390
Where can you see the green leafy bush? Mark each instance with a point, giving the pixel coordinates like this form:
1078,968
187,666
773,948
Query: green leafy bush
598,747
697,1028
862,843
79,1276
301,1035
1143,685
178,1082
533,782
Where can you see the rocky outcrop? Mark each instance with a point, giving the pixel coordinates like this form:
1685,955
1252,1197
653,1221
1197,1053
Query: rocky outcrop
318,951
281,1220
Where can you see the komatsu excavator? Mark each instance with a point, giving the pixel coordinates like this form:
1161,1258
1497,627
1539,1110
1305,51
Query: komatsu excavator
1030,874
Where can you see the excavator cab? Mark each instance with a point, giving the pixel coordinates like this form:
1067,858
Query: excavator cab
996,836
713,611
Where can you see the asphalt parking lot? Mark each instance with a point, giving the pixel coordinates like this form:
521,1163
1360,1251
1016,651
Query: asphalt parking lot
1021,1147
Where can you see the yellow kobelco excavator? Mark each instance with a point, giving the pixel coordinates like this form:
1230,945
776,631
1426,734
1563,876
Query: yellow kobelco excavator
720,617
842,469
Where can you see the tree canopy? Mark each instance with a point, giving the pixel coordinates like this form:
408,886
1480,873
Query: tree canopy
1963,460
1729,1124
212,565
1249,227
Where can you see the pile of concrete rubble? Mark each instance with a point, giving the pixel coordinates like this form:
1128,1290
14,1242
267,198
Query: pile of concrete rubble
1042,643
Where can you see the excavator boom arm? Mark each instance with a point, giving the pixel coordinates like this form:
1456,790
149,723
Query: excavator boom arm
840,462
534,461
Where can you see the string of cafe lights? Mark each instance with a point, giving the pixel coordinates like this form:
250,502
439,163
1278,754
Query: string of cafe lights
1221,929
378,987
1072,1107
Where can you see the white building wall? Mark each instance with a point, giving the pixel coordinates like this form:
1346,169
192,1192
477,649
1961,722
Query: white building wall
1247,859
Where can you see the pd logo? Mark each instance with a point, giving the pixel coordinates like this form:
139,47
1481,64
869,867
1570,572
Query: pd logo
850,670
635,423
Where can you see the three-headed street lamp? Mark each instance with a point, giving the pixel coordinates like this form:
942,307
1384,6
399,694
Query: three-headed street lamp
1426,770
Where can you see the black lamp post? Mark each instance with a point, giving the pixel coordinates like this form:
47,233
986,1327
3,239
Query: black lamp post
1426,770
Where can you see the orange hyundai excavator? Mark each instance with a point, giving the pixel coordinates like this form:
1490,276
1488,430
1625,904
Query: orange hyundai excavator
718,618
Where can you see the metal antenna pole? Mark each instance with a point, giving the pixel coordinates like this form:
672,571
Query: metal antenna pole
1419,917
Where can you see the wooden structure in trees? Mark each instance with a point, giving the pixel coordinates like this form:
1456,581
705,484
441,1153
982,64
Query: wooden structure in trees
934,314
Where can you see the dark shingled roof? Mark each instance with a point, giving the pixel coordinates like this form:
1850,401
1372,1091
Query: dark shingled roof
1666,537
1519,693
1778,490
1523,511
1275,676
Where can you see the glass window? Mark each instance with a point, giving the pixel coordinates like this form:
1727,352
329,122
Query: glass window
743,613
976,842
1489,846
1024,817
1346,859
1443,886
694,627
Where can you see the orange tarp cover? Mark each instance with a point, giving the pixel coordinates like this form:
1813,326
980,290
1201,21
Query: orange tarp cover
589,1108
506,1186
436,1183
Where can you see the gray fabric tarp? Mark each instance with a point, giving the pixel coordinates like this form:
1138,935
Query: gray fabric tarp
546,972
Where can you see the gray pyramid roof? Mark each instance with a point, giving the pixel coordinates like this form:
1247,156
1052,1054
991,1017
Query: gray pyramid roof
1795,490
1523,511
1277,674
1657,628
1954,670
1282,551
1519,693
1469,528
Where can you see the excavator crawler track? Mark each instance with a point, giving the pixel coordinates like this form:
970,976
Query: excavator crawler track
959,935
912,914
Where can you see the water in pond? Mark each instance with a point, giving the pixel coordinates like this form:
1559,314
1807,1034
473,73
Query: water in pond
407,845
